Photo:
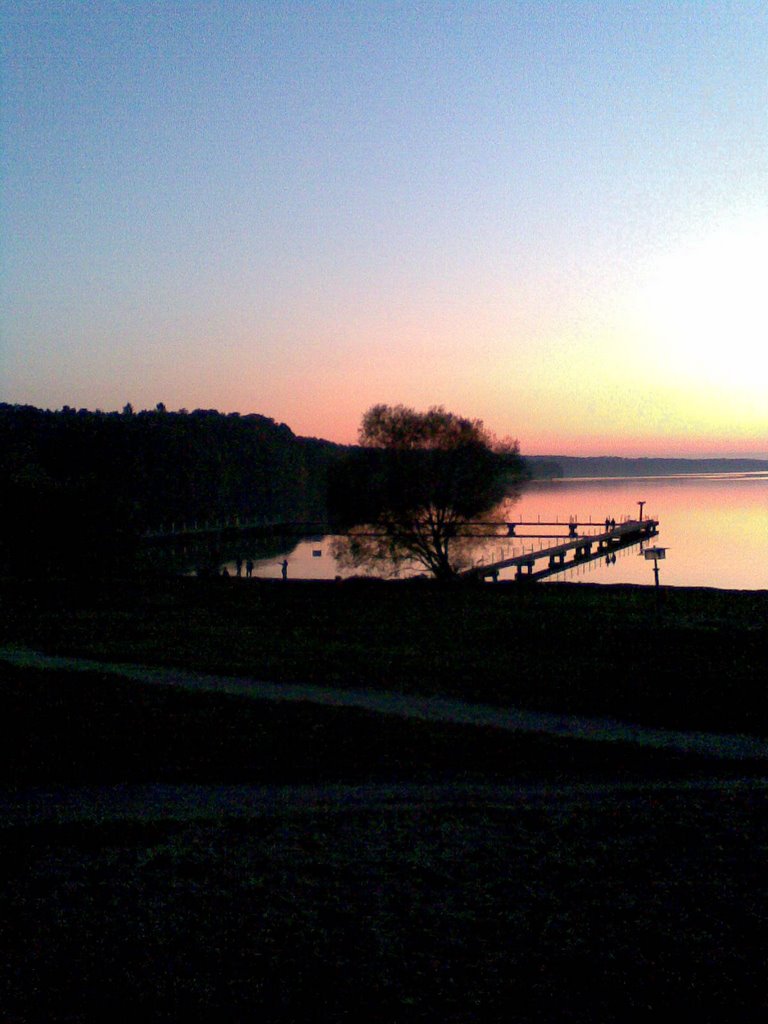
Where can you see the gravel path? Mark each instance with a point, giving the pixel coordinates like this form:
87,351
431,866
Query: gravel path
433,709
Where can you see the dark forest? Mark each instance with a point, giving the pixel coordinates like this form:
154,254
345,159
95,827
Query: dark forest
82,487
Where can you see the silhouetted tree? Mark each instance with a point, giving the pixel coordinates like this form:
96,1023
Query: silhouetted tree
418,482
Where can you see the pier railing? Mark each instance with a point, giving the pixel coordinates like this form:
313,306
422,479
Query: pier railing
481,528
575,550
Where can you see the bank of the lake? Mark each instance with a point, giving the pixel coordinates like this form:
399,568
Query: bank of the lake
677,657
567,879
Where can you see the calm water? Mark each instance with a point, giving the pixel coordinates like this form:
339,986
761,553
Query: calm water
715,529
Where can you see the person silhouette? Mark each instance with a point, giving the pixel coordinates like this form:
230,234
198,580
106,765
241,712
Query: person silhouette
284,568
249,568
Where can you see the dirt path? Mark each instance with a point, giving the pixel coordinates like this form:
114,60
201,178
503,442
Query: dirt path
433,709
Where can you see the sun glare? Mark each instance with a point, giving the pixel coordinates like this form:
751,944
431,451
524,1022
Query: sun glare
704,308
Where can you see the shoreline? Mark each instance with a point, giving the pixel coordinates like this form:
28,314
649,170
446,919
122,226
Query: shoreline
675,658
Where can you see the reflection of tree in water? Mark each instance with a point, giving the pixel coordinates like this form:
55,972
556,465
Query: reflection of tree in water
417,546
426,489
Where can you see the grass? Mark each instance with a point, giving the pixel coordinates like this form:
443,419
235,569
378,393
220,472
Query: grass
86,728
590,906
594,911
699,663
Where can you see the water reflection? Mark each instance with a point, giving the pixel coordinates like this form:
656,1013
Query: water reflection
714,527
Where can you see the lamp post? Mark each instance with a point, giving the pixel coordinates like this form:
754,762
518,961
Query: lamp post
641,503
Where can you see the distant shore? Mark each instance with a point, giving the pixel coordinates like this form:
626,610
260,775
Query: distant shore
606,466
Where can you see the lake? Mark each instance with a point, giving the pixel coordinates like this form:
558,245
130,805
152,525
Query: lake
715,529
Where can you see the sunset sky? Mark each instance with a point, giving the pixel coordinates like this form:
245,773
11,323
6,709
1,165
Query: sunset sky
552,216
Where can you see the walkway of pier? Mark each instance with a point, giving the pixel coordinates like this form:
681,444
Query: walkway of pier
231,524
263,524
632,531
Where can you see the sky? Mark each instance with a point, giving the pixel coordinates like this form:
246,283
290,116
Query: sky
552,216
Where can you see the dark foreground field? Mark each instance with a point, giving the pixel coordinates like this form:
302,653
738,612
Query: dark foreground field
522,878
570,909
695,660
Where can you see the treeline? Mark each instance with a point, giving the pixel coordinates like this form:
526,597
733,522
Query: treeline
571,466
82,486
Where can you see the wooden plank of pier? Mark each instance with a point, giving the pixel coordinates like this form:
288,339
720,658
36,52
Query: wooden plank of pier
237,524
622,533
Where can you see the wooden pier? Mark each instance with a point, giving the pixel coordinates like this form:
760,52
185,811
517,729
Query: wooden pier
504,529
583,549
585,540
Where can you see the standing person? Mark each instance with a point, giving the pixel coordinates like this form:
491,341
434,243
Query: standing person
284,567
249,568
239,566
